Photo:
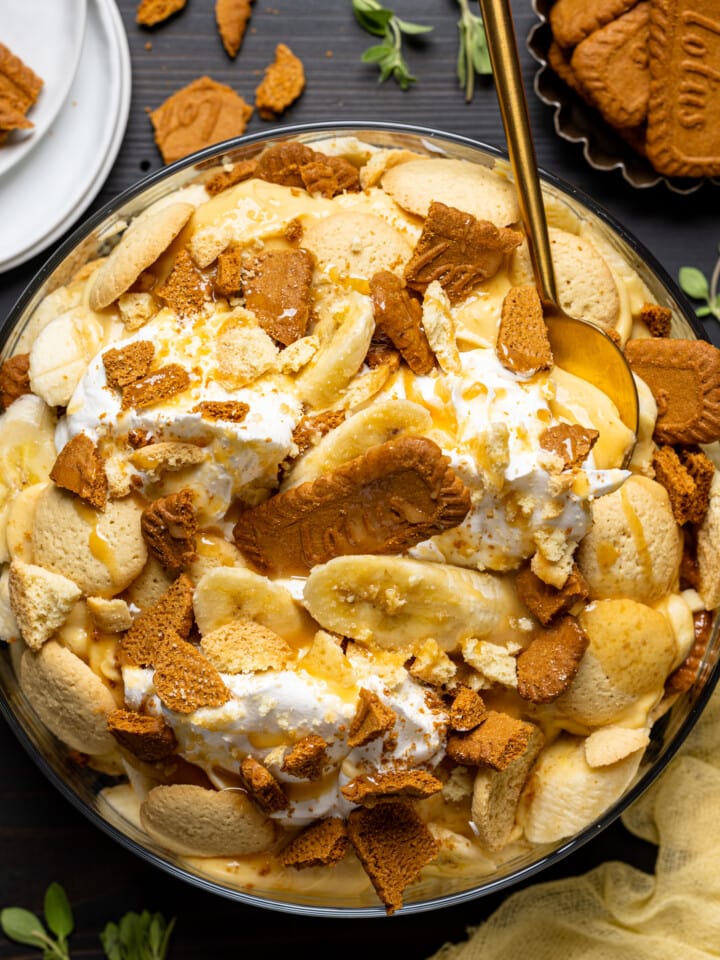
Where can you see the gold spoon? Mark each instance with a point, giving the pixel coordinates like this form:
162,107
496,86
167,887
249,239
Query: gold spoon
578,346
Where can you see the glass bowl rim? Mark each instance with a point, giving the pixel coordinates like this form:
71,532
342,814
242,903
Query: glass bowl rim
484,887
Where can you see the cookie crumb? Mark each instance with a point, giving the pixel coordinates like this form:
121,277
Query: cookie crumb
282,84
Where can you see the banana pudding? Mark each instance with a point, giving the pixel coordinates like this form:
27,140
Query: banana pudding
309,545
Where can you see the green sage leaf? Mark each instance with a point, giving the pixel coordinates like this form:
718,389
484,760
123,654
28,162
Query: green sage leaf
58,914
694,283
22,926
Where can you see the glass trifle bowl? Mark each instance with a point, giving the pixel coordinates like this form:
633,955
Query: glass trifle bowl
323,587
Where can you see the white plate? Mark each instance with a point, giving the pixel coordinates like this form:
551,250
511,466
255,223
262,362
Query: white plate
42,197
48,38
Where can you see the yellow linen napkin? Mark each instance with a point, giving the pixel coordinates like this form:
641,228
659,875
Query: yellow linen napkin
616,911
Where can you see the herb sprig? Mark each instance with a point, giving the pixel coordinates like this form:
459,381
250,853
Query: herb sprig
388,55
473,56
695,284
143,936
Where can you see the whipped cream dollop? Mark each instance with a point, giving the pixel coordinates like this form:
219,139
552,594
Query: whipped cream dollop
238,455
268,712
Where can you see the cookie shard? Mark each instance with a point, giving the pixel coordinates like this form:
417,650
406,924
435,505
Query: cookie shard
458,250
547,602
171,614
683,131
80,468
496,794
611,65
687,475
368,789
522,344
146,737
394,496
232,17
393,844
277,291
684,377
282,84
685,675
498,741
322,844
398,316
169,526
548,666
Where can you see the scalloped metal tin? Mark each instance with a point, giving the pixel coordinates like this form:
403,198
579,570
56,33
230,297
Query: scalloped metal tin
575,121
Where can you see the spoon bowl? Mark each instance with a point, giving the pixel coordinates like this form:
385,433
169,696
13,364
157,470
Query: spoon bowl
578,346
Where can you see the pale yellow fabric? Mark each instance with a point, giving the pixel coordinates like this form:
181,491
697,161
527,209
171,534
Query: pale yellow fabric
616,911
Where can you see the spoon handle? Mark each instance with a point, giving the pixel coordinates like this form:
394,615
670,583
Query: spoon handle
502,45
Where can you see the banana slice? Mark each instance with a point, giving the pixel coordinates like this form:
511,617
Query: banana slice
27,453
225,594
396,603
61,353
376,424
340,355
567,794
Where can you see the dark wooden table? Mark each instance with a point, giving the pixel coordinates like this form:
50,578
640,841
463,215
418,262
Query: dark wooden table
42,836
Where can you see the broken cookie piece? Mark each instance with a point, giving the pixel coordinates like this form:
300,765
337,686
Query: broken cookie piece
186,290
243,646
458,250
277,290
200,114
282,84
687,475
14,379
169,526
148,738
322,844
128,364
19,89
262,785
184,679
156,387
171,615
498,741
394,496
399,317
548,666
368,789
569,441
306,760
522,344
546,601
80,468
372,719
232,18
393,844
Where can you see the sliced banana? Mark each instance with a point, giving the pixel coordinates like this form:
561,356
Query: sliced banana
341,354
375,424
225,594
61,353
567,794
27,453
396,603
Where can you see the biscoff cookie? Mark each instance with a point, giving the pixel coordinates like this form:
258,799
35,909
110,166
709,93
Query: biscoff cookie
80,468
684,376
232,18
404,478
180,122
399,317
611,66
14,379
573,20
522,344
197,822
323,843
415,184
68,697
101,552
151,12
140,246
20,87
282,84
683,129
368,789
